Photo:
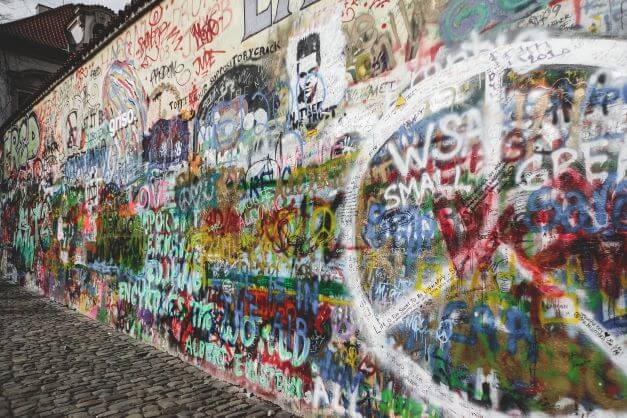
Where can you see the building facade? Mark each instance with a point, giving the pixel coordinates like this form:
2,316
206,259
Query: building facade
33,49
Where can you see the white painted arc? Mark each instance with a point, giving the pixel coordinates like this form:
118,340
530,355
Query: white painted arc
604,53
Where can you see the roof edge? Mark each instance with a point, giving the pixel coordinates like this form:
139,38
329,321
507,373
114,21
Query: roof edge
38,15
132,12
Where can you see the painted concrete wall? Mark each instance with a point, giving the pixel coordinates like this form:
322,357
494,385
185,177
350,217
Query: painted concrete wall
375,208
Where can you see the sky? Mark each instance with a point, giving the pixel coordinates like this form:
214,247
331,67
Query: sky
17,9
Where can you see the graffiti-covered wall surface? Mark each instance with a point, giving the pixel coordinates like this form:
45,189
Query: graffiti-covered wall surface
380,208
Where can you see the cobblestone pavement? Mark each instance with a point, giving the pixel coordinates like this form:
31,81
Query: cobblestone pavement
57,362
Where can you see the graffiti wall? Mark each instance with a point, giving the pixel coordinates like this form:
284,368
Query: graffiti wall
385,208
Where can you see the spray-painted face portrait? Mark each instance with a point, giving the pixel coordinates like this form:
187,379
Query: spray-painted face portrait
310,91
307,65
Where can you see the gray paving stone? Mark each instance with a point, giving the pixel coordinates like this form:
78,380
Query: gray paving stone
165,403
24,410
82,396
150,407
61,400
238,414
109,414
88,403
99,409
82,414
123,405
91,370
49,415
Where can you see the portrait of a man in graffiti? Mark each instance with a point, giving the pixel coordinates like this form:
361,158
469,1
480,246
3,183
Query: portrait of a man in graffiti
310,89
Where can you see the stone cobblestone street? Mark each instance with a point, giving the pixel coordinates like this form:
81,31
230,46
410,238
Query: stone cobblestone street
57,362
